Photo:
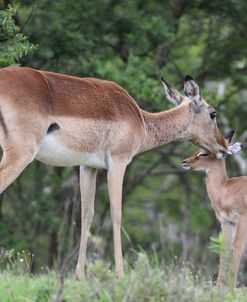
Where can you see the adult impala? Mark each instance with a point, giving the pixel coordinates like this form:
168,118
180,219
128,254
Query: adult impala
66,121
229,200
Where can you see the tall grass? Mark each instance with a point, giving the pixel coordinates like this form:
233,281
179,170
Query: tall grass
144,281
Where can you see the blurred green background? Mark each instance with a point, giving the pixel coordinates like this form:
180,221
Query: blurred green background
166,210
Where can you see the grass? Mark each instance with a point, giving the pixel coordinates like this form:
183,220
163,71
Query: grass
144,281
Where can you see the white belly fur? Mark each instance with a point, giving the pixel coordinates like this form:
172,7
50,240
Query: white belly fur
52,152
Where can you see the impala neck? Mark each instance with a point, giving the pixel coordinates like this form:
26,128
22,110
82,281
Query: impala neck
216,177
165,127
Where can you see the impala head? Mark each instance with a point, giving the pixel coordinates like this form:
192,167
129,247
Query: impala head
202,129
203,160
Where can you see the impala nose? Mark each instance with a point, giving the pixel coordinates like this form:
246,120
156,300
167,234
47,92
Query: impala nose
186,165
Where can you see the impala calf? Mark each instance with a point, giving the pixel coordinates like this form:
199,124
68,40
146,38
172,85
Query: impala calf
95,124
229,200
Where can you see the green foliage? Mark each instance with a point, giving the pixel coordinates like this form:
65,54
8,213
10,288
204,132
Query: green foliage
16,262
218,244
132,43
13,44
145,281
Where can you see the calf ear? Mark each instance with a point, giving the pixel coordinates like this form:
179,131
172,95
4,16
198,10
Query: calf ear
171,93
192,91
229,136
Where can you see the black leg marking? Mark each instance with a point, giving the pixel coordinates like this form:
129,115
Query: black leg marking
53,127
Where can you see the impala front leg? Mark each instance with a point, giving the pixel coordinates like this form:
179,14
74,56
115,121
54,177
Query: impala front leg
224,256
87,187
239,244
115,184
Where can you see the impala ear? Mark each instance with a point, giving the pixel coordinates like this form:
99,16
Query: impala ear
192,91
229,136
232,148
171,93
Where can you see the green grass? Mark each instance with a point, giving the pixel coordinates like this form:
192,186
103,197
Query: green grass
144,281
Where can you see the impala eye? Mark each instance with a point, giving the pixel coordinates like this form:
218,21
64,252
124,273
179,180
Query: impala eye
213,115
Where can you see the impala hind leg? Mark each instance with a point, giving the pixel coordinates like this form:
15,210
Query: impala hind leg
14,160
88,188
115,184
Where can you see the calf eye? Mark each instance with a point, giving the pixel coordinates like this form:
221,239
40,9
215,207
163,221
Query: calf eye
203,154
212,115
